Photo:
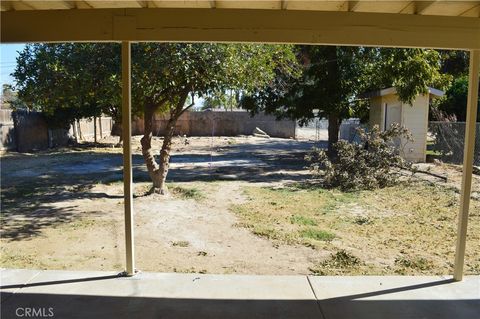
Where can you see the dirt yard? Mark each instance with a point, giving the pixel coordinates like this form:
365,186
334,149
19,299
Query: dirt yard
237,205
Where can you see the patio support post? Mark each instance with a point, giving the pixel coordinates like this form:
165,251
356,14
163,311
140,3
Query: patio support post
472,107
127,156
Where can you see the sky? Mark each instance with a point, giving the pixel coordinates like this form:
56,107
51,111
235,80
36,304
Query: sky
8,55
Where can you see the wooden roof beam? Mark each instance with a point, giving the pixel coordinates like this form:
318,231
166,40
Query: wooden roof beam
422,6
353,5
6,5
241,25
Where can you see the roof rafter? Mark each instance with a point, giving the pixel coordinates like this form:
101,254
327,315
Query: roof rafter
472,10
143,4
422,6
353,5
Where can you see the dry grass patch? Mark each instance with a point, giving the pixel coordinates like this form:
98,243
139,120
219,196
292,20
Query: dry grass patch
405,229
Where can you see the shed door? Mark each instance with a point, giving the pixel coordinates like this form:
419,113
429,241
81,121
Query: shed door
393,114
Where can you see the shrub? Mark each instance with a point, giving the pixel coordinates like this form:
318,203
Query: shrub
373,162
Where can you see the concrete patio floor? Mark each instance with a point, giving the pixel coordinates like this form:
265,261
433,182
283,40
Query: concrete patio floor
77,294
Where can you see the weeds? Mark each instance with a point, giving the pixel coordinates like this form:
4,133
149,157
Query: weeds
187,193
338,263
409,217
302,220
415,263
317,234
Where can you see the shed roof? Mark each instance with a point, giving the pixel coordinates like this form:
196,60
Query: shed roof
392,90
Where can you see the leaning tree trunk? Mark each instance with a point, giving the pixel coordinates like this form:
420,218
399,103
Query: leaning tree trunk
333,130
158,172
117,129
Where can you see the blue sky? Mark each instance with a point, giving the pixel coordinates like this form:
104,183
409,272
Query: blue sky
8,55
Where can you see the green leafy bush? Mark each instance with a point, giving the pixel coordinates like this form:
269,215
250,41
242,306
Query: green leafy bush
372,162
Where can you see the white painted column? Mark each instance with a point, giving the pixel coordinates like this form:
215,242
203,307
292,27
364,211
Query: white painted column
472,108
127,157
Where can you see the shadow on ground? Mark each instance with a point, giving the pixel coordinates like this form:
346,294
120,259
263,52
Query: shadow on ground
32,184
118,305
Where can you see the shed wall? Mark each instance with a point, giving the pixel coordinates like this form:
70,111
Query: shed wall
415,118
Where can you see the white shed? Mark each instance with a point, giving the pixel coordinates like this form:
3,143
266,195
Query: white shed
386,109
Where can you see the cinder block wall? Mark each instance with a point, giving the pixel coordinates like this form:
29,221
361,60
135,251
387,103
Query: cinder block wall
220,123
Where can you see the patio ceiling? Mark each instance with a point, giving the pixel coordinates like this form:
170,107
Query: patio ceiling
441,8
435,24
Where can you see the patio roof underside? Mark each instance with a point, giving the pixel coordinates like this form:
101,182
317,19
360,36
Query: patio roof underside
442,8
435,24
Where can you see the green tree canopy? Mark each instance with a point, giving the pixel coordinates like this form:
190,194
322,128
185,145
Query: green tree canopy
334,78
71,81
200,70
454,103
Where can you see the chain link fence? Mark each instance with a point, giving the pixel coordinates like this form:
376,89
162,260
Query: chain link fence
317,129
447,140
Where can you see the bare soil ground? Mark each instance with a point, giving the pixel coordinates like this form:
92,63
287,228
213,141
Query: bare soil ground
63,209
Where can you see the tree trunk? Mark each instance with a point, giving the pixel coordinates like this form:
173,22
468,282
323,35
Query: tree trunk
162,171
95,129
80,135
117,129
74,128
158,172
100,126
333,130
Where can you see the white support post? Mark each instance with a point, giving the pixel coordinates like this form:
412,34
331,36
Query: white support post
127,156
472,107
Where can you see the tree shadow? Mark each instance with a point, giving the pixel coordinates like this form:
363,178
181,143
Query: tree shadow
23,224
33,183
30,204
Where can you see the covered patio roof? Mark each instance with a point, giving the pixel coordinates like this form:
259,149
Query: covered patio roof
436,24
424,24
442,8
